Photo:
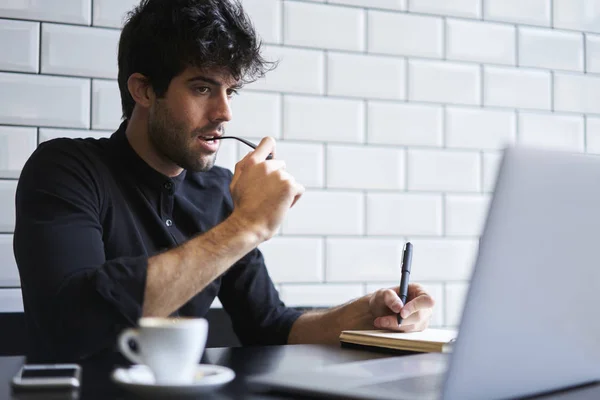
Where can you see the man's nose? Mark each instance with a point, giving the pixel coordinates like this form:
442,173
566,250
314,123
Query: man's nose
221,110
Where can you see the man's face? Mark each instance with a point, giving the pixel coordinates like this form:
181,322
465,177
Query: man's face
195,107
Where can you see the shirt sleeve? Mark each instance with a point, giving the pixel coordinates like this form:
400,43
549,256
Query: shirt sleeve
76,301
258,315
248,295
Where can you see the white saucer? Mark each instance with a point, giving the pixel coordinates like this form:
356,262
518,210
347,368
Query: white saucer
140,380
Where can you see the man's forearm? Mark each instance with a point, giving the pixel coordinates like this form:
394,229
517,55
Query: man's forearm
326,326
177,275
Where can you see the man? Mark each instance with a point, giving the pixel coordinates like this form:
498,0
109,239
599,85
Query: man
142,224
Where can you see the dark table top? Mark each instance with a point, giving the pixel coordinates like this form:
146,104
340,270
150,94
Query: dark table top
245,361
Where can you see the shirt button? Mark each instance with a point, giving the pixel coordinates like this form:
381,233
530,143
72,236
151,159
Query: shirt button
168,185
169,222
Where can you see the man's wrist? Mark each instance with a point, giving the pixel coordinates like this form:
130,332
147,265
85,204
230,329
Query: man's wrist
239,225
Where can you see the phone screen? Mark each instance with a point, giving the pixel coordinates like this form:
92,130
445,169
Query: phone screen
48,373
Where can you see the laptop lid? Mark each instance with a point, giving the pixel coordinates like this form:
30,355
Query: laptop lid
530,320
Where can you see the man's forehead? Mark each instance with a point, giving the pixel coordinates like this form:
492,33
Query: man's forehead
218,74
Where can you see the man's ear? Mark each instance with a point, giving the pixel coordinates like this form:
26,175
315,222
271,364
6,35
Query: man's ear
141,90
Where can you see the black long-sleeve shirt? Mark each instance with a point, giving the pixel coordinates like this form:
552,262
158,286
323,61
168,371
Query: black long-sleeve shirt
89,214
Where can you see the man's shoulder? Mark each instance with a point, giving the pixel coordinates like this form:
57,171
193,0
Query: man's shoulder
69,149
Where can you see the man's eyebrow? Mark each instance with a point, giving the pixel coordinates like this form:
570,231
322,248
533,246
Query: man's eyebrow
212,81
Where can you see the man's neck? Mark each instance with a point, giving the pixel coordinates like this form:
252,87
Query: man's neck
137,135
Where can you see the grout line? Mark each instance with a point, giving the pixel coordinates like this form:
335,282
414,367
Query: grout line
91,103
365,219
405,170
37,136
323,270
482,86
282,17
552,91
365,134
482,168
517,127
39,70
443,214
325,167
282,116
585,133
551,14
325,73
366,32
482,9
444,127
584,52
445,39
92,12
517,52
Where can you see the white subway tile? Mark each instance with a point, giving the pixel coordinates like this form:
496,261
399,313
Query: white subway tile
294,259
404,124
437,170
71,11
592,135
9,274
50,133
592,52
363,259
319,295
462,8
80,51
16,145
256,115
577,93
516,87
7,205
580,15
465,215
435,290
106,105
11,301
323,119
308,24
299,71
456,294
478,128
353,167
19,45
266,17
404,214
426,34
532,12
546,48
44,100
442,259
480,41
366,76
227,155
491,163
444,82
112,13
304,161
562,132
387,4
326,213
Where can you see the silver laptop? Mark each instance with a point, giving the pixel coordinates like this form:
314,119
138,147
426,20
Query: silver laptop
530,322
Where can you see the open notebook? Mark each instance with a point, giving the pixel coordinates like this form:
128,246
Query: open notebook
429,340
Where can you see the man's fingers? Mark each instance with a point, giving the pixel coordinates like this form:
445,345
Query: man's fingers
299,192
421,302
264,148
391,301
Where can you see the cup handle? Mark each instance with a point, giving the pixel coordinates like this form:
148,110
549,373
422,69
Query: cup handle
124,339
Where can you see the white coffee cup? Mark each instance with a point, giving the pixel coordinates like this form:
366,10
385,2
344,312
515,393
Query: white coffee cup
170,347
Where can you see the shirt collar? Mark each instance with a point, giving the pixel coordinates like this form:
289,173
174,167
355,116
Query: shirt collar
141,170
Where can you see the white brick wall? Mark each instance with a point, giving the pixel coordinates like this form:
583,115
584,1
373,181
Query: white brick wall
393,113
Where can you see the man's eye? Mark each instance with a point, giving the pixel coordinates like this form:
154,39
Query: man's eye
202,89
231,92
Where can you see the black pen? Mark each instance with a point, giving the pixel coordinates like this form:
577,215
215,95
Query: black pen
406,261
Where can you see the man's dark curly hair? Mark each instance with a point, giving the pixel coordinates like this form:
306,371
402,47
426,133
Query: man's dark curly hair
161,38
